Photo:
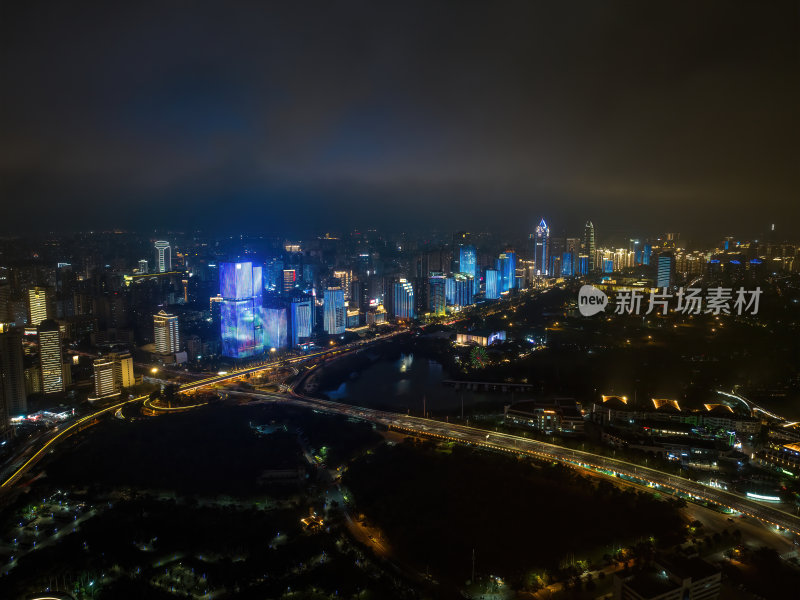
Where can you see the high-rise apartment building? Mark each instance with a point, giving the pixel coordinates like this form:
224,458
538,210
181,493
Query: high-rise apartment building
51,360
123,369
166,333
403,304
40,305
335,320
289,280
12,375
462,290
104,377
345,278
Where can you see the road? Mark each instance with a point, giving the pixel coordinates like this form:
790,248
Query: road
18,466
521,445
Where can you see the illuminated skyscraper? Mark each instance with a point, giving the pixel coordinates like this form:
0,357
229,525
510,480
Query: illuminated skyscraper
165,333
588,245
507,266
665,270
437,299
163,257
567,264
301,312
492,284
40,305
345,281
241,313
335,316
12,377
50,357
142,267
468,262
541,249
123,369
289,280
104,377
463,286
275,328
450,291
403,304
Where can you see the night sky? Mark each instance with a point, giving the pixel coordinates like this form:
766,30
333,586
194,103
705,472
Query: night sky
298,116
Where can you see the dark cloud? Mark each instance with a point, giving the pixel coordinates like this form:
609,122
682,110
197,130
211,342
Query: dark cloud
307,115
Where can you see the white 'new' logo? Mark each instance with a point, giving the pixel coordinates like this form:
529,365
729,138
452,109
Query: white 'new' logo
591,300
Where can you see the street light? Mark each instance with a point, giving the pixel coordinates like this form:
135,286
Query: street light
154,370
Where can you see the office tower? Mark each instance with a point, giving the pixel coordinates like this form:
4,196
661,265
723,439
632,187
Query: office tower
104,377
567,264
492,284
289,280
345,281
462,293
12,375
403,305
163,257
334,311
50,357
301,311
608,265
647,252
507,266
468,262
582,265
437,299
142,267
589,246
541,249
665,269
40,305
165,333
275,328
450,291
241,313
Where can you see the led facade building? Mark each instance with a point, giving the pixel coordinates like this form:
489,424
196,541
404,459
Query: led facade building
301,318
567,264
492,284
462,292
104,378
437,299
507,266
163,257
541,249
242,312
665,270
40,305
450,291
403,300
334,311
165,333
468,262
275,328
50,357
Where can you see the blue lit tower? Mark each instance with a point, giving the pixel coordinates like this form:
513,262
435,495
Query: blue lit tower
541,249
462,292
275,328
468,263
492,284
241,313
437,299
335,316
403,300
507,266
665,270
301,319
